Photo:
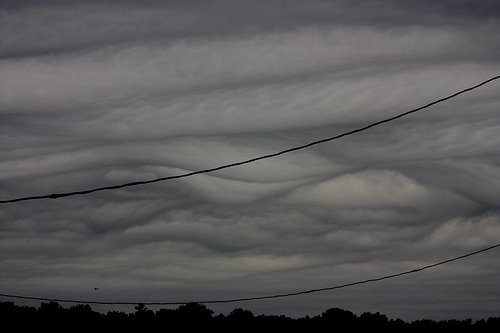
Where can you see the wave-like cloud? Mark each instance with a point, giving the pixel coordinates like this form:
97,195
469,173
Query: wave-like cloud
94,93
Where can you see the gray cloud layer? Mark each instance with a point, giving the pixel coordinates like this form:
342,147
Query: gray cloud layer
99,93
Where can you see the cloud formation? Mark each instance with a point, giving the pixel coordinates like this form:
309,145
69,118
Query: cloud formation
94,93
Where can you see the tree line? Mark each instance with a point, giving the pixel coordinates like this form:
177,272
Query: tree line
193,316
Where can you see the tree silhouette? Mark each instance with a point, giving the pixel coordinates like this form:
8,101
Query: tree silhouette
52,316
339,316
51,308
142,313
241,315
194,311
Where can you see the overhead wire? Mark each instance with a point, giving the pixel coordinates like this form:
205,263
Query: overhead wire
230,165
256,298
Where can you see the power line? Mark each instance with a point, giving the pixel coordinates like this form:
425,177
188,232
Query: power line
255,298
226,166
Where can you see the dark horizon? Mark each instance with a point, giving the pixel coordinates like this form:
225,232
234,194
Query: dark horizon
199,316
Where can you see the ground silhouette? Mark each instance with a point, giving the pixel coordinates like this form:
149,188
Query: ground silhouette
197,317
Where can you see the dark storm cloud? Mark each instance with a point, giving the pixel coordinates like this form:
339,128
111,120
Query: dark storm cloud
62,26
99,92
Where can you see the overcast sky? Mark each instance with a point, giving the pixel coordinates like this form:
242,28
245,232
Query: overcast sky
96,93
